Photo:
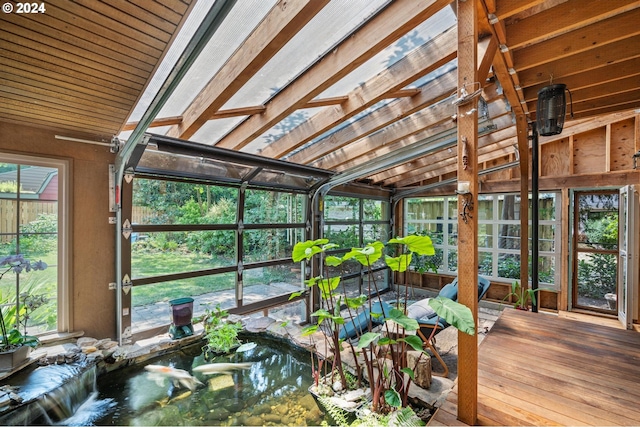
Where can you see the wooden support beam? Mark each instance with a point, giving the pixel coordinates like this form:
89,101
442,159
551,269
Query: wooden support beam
237,112
281,24
468,226
165,121
393,22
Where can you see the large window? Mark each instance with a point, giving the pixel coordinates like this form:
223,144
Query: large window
32,192
353,222
498,234
217,244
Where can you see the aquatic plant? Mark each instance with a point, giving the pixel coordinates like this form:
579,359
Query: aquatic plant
389,388
220,333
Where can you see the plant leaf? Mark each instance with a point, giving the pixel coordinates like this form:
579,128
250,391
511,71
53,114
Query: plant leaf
332,261
399,263
402,319
422,245
454,313
367,255
367,339
414,341
409,372
392,398
326,286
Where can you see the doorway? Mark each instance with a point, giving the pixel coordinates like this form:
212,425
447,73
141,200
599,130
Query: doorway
595,251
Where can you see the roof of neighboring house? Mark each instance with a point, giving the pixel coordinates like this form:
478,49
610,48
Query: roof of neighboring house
32,179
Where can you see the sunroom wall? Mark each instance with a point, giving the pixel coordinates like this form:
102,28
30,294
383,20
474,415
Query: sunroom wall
91,237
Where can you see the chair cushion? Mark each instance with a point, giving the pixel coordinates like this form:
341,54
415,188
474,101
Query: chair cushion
450,291
421,310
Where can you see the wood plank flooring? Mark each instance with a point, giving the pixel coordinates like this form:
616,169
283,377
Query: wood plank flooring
541,369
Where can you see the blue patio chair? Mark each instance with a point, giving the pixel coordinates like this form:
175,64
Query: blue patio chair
428,320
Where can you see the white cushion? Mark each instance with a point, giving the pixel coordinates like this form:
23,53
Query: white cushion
421,310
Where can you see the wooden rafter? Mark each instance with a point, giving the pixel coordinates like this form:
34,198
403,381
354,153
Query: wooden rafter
389,25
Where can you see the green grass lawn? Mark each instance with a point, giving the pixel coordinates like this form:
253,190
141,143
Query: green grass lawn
156,263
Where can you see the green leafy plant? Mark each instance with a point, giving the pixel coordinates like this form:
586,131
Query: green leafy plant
13,338
220,333
521,296
390,388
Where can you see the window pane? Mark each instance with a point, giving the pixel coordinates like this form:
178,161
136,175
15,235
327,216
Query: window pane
156,254
168,202
151,302
509,266
452,208
375,232
272,207
598,216
485,263
452,260
337,208
453,234
546,238
418,209
268,282
485,208
270,244
509,237
375,210
546,269
345,236
547,206
597,276
509,207
485,235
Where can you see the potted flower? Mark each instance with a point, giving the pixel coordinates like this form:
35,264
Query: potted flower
15,346
382,353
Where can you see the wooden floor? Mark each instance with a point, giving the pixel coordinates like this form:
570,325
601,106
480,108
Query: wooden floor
541,369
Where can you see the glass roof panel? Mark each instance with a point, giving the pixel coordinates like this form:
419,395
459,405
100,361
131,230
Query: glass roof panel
334,22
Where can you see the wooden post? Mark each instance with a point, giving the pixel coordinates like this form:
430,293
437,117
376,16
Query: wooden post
468,225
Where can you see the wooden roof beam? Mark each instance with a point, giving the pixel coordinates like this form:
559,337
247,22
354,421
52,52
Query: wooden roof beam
280,25
393,22
419,62
563,18
432,92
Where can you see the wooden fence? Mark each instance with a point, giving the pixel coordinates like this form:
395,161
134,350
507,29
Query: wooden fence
29,211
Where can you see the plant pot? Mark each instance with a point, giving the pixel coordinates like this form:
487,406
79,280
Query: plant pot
13,358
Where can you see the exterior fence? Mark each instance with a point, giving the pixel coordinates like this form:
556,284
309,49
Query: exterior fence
29,211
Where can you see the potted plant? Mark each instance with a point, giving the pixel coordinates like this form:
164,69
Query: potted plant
521,296
381,354
15,346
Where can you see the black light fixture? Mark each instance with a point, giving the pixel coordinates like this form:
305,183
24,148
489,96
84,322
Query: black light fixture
551,110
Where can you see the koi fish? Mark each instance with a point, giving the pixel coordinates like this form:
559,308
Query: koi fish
221,368
178,376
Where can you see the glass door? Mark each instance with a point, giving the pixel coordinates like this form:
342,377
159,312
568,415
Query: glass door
628,264
595,251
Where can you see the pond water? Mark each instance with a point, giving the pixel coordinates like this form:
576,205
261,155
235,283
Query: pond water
273,391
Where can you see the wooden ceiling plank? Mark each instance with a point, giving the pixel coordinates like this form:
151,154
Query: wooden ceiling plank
432,92
601,33
507,8
44,114
384,28
108,17
78,75
167,22
166,8
419,62
591,78
75,102
43,54
104,34
67,128
56,39
562,19
623,98
608,109
53,88
602,56
36,72
273,32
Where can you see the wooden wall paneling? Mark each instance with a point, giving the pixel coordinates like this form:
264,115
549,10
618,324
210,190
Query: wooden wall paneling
622,145
555,158
589,152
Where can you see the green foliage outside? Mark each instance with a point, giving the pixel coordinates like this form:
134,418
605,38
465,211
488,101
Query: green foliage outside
597,273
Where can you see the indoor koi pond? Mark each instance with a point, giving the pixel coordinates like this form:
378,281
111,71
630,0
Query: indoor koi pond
267,384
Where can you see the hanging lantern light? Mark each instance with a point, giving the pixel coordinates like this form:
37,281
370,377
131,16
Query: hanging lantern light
552,106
